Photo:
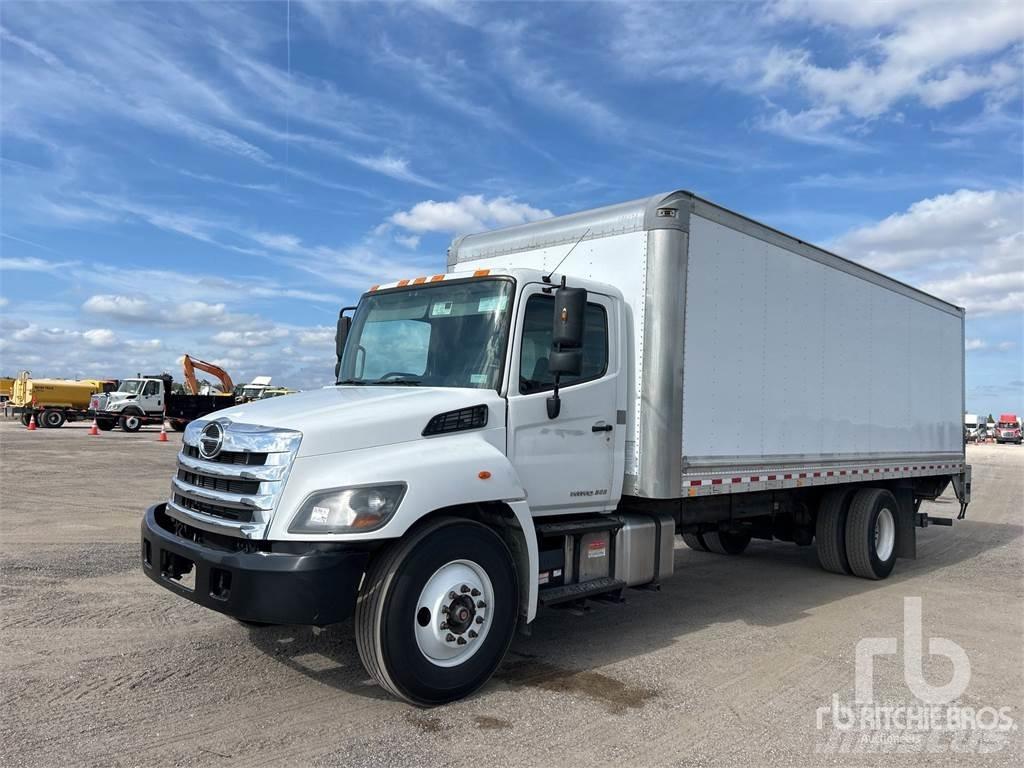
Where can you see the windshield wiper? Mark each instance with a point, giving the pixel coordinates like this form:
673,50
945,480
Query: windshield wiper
397,383
348,381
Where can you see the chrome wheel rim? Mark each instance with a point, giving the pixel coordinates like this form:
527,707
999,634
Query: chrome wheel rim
885,534
132,422
453,614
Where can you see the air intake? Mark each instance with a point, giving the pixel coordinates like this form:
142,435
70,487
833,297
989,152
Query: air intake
457,421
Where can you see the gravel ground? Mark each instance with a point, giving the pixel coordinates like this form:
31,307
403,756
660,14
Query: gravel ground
727,665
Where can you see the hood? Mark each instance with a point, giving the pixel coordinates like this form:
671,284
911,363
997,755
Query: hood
347,418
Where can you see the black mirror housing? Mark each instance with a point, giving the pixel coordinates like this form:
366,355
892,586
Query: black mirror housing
344,325
565,362
567,331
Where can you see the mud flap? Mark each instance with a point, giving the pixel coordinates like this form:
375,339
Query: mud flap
906,523
962,488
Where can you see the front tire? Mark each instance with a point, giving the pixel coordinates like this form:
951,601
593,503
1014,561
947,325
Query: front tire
436,612
131,422
871,533
105,425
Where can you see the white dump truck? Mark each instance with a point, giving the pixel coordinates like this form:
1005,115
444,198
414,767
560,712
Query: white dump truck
536,425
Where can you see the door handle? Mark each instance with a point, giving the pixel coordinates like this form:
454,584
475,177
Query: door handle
601,428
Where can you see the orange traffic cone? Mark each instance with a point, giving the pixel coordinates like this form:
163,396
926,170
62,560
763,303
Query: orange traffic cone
163,433
32,423
94,430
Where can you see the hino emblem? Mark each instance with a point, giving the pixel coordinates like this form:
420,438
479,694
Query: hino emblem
210,440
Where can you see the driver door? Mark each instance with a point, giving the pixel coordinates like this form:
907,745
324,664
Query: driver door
566,464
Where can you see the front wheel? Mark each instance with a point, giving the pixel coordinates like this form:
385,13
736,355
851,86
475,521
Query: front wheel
131,423
105,425
436,612
178,425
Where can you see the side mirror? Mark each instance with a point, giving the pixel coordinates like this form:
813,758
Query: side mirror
567,331
566,362
344,326
566,356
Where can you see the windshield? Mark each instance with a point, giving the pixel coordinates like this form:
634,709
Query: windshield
449,334
131,386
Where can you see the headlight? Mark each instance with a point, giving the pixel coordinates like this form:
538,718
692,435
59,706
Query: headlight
348,510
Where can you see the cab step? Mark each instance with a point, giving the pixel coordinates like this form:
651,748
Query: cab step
573,527
591,588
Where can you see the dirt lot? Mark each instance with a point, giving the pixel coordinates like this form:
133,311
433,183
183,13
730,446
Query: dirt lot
728,664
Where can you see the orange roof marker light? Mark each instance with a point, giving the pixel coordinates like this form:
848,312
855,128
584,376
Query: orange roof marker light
419,281
436,278
374,287
402,282
482,273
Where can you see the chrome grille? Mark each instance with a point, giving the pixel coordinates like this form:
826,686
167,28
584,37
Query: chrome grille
234,492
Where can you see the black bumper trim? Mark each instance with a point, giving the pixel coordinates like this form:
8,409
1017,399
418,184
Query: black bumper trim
313,587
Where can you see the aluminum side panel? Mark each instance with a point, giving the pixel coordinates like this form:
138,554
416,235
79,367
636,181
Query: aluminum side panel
788,356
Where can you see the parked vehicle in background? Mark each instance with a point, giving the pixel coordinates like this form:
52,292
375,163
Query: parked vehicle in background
277,392
1008,429
6,388
52,402
534,427
255,389
151,400
974,428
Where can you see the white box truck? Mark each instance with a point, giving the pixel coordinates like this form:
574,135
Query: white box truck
534,426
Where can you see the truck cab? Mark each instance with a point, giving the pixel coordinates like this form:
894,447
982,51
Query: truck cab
467,407
130,404
1008,429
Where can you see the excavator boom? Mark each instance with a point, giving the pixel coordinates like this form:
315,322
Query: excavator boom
189,366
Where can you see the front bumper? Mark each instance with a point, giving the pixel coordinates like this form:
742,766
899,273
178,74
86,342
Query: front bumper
306,587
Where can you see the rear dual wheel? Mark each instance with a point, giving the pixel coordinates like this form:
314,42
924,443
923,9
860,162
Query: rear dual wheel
856,532
436,611
719,542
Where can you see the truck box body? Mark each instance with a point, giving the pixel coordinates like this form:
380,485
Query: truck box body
760,361
55,393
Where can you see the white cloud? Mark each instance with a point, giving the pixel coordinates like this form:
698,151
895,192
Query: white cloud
966,246
135,309
411,242
973,345
124,307
32,264
99,337
249,338
395,167
469,213
318,336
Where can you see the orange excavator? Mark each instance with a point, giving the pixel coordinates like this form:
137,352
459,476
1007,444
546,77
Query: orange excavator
189,366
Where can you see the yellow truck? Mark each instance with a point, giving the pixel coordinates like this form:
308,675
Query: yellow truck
53,401
6,388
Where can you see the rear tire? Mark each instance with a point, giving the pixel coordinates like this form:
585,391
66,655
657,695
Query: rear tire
830,530
51,419
131,423
871,533
105,425
402,630
695,541
26,418
726,543
178,425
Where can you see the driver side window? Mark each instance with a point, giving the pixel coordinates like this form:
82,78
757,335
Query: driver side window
534,375
151,389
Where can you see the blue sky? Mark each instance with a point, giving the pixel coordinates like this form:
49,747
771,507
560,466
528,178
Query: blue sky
218,179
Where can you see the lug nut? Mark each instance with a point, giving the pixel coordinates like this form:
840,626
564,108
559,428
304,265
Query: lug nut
481,604
452,595
479,619
444,609
471,633
461,641
475,593
444,625
463,589
450,638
